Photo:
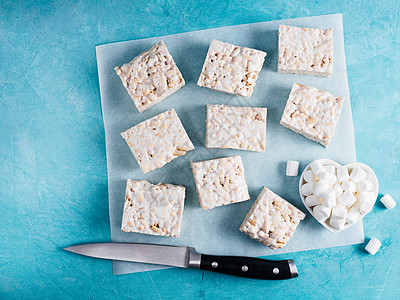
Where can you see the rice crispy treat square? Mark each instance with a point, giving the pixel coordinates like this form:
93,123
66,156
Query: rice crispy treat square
157,141
312,113
231,69
271,220
220,181
307,51
153,209
151,77
242,128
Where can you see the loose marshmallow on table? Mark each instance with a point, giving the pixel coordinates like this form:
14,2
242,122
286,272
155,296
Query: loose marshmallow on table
330,169
365,186
317,167
321,187
329,199
358,175
338,190
308,188
388,201
308,176
321,213
312,200
337,223
347,199
373,246
292,168
349,186
342,173
328,177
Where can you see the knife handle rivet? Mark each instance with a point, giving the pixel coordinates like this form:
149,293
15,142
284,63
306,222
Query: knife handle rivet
245,268
275,271
214,264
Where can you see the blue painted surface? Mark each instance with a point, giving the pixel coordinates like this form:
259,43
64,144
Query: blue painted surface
53,177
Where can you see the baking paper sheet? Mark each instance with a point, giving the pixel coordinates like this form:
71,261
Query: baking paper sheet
216,231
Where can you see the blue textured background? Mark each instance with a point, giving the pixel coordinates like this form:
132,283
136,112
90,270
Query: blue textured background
53,173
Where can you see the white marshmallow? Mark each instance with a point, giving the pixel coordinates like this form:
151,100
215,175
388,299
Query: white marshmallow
317,167
330,169
366,207
328,177
347,199
388,201
342,173
308,176
292,168
321,187
337,223
358,175
373,246
337,188
367,197
365,186
307,189
312,200
339,212
352,215
329,199
321,213
349,186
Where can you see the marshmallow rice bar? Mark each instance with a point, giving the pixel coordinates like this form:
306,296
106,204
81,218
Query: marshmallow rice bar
231,69
271,220
151,77
157,141
312,113
220,181
305,51
153,209
232,127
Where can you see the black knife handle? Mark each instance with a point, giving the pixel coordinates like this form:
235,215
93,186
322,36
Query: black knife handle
249,267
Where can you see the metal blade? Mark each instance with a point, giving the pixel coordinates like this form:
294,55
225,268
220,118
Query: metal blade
144,253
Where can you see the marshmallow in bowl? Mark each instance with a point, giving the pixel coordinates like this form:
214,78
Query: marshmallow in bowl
342,173
313,200
322,213
330,169
349,186
329,199
317,167
347,199
308,188
388,201
352,215
308,176
321,187
365,186
337,223
337,187
358,175
339,212
328,177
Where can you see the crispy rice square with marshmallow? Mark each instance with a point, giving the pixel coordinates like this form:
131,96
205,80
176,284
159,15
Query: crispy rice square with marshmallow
231,69
271,220
158,140
307,51
153,209
312,113
233,127
151,77
220,181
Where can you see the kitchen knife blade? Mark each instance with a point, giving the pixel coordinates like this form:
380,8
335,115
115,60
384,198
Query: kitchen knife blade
187,257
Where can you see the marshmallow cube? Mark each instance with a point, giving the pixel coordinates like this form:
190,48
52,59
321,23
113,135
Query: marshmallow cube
339,212
337,188
388,201
349,186
330,169
317,167
321,187
365,186
307,189
312,200
328,177
347,199
373,246
358,175
352,215
342,174
292,168
321,213
308,176
366,207
329,199
337,223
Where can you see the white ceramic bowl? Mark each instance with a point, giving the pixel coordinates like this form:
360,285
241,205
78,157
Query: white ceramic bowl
371,177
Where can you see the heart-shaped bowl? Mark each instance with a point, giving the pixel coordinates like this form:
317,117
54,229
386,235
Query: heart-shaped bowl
325,162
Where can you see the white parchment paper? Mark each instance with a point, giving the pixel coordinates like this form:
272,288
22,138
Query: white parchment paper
216,231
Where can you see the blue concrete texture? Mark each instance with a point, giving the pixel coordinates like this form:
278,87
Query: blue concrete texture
53,176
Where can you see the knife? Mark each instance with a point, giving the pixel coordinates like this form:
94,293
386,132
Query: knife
187,257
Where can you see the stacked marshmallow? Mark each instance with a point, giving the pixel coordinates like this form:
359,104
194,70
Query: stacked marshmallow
335,196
